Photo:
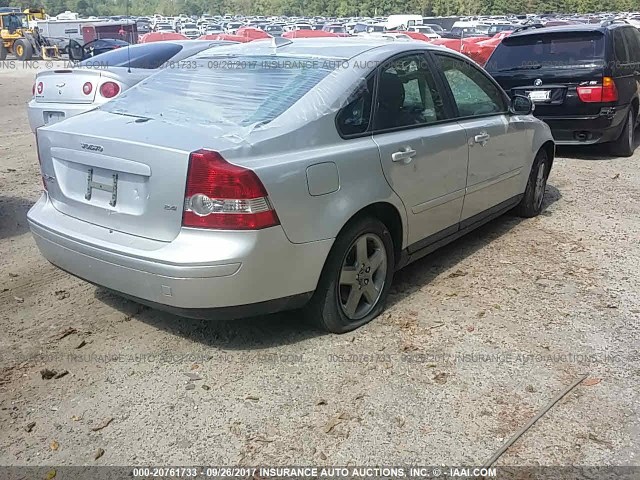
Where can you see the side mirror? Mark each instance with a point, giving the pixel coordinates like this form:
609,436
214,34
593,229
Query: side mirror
521,105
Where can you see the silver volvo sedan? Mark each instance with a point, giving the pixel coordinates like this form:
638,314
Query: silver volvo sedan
284,174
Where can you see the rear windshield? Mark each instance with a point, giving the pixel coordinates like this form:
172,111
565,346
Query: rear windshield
147,56
224,90
548,50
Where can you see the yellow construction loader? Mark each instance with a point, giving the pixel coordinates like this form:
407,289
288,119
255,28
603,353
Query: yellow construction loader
18,38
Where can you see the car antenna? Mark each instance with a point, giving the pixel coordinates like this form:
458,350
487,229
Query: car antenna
129,38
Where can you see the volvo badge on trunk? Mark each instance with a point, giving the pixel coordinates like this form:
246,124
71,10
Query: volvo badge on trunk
91,148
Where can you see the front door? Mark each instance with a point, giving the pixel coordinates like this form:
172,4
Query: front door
497,140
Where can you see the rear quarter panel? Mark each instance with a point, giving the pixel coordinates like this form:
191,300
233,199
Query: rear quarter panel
282,162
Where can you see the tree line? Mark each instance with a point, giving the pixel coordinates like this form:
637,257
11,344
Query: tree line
342,8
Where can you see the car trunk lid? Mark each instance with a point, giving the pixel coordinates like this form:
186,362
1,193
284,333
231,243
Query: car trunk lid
122,178
66,86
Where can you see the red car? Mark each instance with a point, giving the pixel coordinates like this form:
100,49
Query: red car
413,35
457,44
243,35
308,34
481,51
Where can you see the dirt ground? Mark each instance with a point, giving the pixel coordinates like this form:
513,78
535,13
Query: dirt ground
477,338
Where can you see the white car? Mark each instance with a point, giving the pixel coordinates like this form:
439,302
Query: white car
427,31
60,94
190,30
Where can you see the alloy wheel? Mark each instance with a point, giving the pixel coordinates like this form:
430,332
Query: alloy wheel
541,184
362,276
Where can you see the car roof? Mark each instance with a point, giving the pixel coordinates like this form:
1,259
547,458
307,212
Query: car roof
578,27
329,47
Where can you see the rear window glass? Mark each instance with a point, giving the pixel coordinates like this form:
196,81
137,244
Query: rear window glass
147,56
229,90
548,50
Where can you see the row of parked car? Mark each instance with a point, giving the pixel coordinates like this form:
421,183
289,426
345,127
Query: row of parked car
220,180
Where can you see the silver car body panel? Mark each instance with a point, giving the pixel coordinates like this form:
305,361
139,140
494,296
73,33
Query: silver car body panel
315,180
199,269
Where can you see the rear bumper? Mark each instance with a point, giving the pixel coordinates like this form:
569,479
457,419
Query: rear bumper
263,272
36,111
587,130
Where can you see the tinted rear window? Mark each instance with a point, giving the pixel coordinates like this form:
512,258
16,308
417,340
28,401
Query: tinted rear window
548,50
148,56
229,90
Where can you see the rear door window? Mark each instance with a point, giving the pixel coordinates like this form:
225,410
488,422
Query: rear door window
407,94
548,50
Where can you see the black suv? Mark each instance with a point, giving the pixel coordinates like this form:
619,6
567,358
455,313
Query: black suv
583,79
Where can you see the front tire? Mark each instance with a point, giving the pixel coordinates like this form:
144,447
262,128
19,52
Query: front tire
356,278
22,50
3,51
531,203
625,144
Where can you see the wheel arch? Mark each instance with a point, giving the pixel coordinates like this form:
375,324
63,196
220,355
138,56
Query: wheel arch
388,214
550,148
635,104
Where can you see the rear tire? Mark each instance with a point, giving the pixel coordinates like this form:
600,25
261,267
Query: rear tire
625,144
22,50
356,278
3,52
533,199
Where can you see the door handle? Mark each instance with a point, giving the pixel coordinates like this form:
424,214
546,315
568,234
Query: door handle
482,138
405,155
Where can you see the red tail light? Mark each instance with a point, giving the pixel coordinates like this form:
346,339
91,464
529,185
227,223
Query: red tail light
40,88
109,89
87,88
225,196
33,89
607,92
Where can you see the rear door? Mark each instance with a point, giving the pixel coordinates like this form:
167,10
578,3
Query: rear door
497,140
424,152
549,66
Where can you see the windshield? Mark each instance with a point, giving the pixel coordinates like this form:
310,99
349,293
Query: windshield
548,50
147,56
213,94
15,21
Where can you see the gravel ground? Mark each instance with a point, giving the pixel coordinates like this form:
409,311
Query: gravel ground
477,338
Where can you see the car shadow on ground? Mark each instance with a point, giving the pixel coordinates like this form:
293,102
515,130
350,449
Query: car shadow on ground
592,152
13,216
422,272
291,327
